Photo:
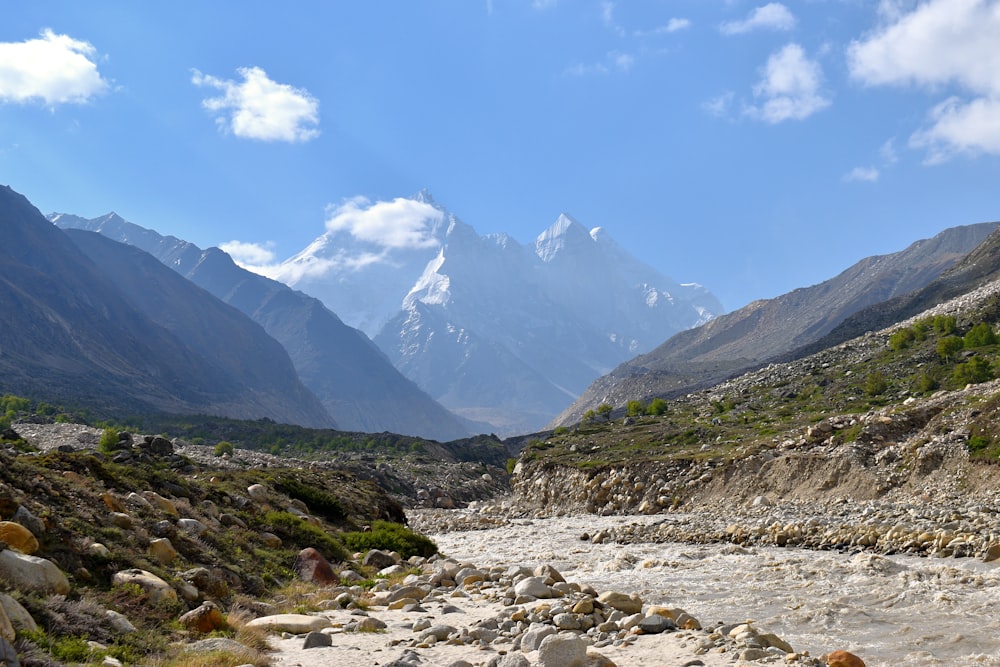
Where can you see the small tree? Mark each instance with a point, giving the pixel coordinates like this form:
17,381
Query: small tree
636,408
949,346
974,371
657,407
875,384
604,410
902,339
109,442
223,448
589,416
945,324
979,336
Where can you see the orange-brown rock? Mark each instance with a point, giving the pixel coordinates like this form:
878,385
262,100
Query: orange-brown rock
312,567
18,537
206,618
844,659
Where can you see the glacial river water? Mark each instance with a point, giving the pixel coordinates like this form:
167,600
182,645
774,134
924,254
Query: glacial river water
894,610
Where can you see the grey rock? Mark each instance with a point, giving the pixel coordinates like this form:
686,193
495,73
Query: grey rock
655,624
533,586
24,517
562,650
509,660
379,559
536,634
440,632
317,640
8,657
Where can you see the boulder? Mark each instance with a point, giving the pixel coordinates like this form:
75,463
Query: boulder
536,634
534,587
258,492
6,627
317,640
296,624
509,660
30,573
206,582
119,622
18,537
844,659
192,527
562,650
379,559
19,617
8,656
157,589
206,618
24,517
655,624
627,604
159,502
312,567
162,549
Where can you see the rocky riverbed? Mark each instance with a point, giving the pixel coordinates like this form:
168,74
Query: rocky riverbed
888,609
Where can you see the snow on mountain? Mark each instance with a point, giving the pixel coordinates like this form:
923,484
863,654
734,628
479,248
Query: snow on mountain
494,330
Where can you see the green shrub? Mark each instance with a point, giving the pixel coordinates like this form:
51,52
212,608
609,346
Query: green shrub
303,534
390,536
875,384
974,371
979,336
320,502
657,407
560,430
589,416
635,408
510,466
604,410
902,339
926,383
109,442
224,447
945,324
949,346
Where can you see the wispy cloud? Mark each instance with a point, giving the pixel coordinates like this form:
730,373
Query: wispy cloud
400,223
613,61
719,106
608,18
772,16
672,26
255,254
53,69
936,44
862,174
262,109
790,87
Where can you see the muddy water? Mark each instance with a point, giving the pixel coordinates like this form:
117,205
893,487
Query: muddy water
888,610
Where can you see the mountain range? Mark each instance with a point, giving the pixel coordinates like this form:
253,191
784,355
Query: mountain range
496,331
797,323
352,379
112,332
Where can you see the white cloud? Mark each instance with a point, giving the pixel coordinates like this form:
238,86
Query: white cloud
608,18
888,152
772,16
959,127
719,106
614,60
790,87
401,223
55,69
673,25
862,174
936,45
254,254
544,4
259,108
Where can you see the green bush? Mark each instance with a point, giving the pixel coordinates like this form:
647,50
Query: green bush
510,466
945,324
303,534
560,430
320,502
109,442
902,339
635,408
974,371
875,384
604,410
949,346
657,407
224,447
389,536
979,336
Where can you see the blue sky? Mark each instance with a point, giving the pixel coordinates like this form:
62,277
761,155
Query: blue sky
753,147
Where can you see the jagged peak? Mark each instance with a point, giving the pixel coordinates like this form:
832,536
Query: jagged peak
564,230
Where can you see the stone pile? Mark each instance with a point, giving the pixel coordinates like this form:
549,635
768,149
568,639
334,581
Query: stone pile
542,619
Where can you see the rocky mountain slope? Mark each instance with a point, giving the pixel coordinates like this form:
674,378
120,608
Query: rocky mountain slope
77,335
900,413
496,331
352,378
775,327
